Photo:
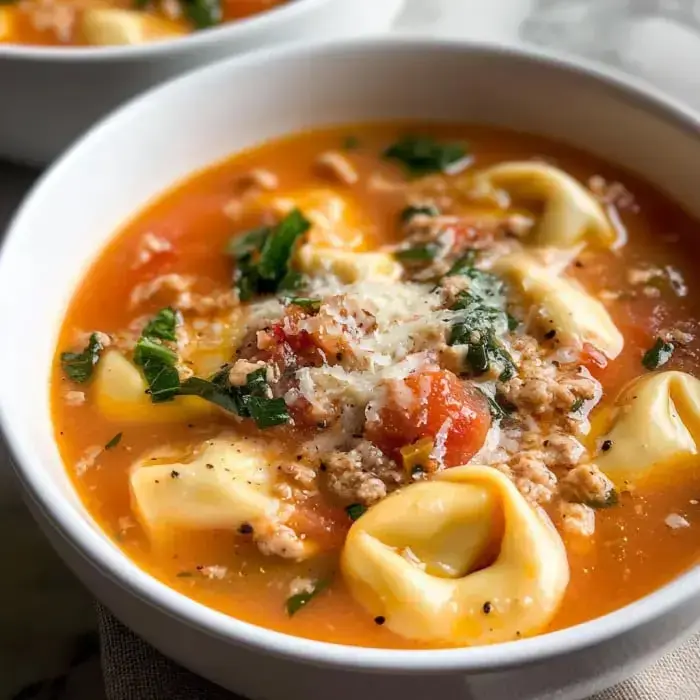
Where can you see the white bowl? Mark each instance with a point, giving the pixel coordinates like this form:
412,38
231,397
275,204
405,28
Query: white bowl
150,144
51,95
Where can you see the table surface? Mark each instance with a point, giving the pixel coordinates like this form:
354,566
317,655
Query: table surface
48,644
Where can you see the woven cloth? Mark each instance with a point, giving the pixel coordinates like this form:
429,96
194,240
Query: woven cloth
133,670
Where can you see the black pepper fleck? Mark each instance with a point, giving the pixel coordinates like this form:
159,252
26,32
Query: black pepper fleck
487,608
174,474
246,529
607,444
380,619
550,334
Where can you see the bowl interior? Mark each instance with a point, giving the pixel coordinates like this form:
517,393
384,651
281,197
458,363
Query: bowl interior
157,140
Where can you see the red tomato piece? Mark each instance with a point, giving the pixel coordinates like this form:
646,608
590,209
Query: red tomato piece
433,403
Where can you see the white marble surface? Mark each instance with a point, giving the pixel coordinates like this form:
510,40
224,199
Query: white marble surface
46,619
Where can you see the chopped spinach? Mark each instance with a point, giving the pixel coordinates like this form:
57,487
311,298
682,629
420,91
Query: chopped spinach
495,409
659,354
114,441
355,510
422,155
263,257
482,321
577,405
419,253
464,263
79,365
158,360
203,13
409,212
253,400
163,325
296,602
306,303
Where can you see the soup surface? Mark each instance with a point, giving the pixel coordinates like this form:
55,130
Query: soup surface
116,22
268,385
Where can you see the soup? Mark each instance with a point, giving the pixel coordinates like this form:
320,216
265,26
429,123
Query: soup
395,385
116,22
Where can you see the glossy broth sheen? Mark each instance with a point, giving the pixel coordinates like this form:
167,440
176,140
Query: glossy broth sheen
633,551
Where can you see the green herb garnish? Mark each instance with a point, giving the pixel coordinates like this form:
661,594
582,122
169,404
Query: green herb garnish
163,325
79,365
419,253
482,321
203,13
495,409
263,257
659,354
296,602
577,405
306,303
409,212
114,441
421,155
156,359
253,400
355,510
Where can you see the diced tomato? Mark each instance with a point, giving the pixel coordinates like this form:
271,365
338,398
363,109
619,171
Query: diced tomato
435,404
321,523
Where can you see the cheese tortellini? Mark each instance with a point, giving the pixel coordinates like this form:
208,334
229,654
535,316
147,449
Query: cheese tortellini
347,266
106,26
462,559
228,483
563,305
120,394
570,213
654,424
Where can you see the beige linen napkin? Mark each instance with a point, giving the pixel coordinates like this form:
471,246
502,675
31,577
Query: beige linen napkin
133,670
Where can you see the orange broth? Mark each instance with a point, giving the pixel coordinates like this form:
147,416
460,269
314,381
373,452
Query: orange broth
633,551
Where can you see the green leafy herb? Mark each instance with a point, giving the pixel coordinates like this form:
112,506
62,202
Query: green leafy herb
296,602
611,499
513,322
163,325
419,253
351,142
306,303
463,264
253,400
482,321
203,13
421,155
79,365
409,212
494,408
263,257
577,405
156,359
659,354
114,441
267,412
355,510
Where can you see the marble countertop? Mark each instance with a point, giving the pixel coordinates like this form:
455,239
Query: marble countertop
48,641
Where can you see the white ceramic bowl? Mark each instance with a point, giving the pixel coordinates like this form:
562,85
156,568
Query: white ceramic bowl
150,144
50,96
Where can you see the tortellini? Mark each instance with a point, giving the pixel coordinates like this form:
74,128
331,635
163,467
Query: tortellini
462,559
347,266
120,395
570,213
564,306
227,484
336,221
104,26
655,424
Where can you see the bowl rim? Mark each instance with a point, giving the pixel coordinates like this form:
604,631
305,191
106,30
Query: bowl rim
90,542
229,31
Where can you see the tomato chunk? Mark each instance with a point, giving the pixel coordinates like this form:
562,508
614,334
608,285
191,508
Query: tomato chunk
433,404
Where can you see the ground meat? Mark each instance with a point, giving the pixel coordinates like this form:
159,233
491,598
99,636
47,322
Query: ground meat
238,374
451,288
338,167
362,475
557,450
151,246
74,398
276,539
576,518
586,484
531,475
300,473
176,290
547,390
